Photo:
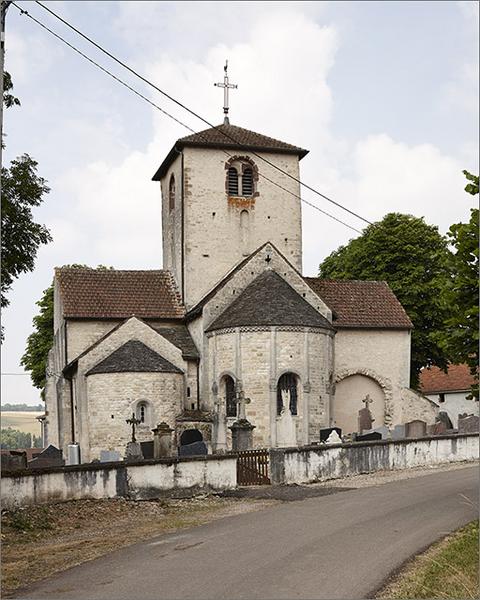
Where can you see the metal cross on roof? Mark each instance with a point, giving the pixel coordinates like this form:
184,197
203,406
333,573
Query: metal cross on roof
226,86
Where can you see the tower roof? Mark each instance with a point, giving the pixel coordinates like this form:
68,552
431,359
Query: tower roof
269,300
229,137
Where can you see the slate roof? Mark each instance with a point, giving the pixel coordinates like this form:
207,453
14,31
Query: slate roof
112,294
361,304
134,357
232,137
434,379
269,300
180,337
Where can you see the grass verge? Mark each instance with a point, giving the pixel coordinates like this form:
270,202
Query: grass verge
449,569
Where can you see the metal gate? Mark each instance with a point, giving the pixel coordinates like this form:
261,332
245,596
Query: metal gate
253,467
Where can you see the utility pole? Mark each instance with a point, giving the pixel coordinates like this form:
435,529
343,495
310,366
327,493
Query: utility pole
4,7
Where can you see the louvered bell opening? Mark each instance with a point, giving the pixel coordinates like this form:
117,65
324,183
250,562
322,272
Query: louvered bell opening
247,183
232,182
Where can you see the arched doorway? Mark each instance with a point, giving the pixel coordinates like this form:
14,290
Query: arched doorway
189,436
349,394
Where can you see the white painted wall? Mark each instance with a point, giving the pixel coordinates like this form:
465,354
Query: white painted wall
140,481
320,464
455,404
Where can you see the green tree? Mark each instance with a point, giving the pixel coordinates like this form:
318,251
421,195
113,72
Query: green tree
413,258
22,189
13,439
460,339
40,341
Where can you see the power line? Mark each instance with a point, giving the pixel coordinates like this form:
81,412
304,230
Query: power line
137,93
192,112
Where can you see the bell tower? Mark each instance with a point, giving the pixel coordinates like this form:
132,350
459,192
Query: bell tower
221,201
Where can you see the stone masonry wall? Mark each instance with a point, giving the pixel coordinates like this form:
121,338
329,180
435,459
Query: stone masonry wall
257,357
172,222
112,397
212,220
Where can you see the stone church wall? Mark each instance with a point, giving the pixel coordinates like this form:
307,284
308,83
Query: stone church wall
82,334
213,244
112,397
381,355
172,222
257,357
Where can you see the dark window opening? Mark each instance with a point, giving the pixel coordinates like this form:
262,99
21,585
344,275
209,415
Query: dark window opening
188,392
230,397
232,181
171,193
441,397
287,382
247,182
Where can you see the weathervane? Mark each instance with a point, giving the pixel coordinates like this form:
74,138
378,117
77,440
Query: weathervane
226,86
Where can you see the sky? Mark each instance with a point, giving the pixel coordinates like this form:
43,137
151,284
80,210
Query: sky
383,94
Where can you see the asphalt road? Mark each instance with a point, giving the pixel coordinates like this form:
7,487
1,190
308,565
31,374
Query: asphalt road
337,546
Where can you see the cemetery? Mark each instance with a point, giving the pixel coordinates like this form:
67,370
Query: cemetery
158,469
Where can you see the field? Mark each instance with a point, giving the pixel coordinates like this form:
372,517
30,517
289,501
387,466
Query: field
23,421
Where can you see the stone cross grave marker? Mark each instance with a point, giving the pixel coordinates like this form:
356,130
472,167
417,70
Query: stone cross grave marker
133,421
242,402
365,419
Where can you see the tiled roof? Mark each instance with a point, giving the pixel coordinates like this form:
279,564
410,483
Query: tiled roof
111,294
361,304
134,357
434,379
232,137
269,300
179,336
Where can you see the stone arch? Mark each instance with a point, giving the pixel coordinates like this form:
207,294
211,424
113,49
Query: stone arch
351,386
227,389
240,163
189,436
291,381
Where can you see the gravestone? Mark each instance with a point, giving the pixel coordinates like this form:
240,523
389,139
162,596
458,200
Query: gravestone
109,456
162,440
443,416
468,424
367,437
415,429
325,433
50,457
438,428
398,432
193,449
365,419
147,449
383,431
133,452
333,438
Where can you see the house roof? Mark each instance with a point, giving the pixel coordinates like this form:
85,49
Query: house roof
179,336
232,137
361,304
434,380
134,357
269,300
112,294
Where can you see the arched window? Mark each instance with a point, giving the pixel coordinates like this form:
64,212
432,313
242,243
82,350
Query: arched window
142,412
287,384
171,193
230,397
247,182
232,181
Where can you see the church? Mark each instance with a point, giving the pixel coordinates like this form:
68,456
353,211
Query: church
230,315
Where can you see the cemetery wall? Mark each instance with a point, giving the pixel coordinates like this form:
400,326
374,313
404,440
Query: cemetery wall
314,463
148,479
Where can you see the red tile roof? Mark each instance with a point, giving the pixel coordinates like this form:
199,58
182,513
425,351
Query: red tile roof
111,294
237,139
361,304
434,379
